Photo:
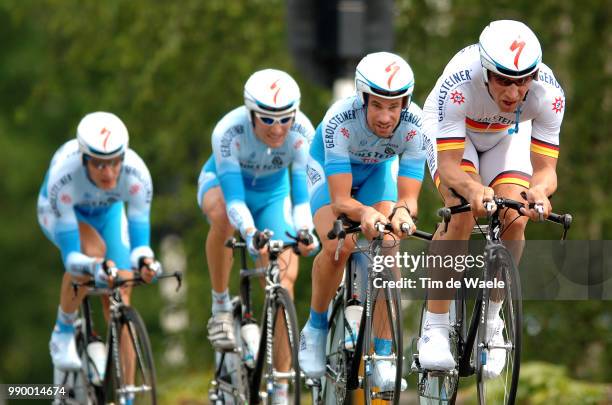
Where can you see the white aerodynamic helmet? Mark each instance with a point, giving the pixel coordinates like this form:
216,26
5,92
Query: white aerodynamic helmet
271,92
385,75
509,48
102,135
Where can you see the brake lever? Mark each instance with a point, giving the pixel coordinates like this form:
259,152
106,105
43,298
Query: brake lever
179,280
445,214
489,205
339,248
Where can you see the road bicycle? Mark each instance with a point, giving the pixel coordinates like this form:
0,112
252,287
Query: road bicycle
349,365
238,380
468,337
105,377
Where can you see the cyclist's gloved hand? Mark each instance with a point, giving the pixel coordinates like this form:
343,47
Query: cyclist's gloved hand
254,239
309,243
149,268
104,274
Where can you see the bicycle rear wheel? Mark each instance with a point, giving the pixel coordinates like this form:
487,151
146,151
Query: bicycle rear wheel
138,382
385,324
501,389
277,369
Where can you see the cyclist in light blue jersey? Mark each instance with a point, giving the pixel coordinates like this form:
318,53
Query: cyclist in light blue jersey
81,210
355,169
246,185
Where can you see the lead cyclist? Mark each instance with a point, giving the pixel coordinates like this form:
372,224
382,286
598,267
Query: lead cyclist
492,123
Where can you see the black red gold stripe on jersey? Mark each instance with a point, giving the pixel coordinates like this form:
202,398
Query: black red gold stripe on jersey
450,143
477,126
466,166
512,177
544,148
436,178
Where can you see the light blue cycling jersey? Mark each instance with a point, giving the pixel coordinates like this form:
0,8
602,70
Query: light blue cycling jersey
68,195
344,143
243,164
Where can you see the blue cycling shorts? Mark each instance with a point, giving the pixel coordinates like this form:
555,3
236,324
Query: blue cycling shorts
372,183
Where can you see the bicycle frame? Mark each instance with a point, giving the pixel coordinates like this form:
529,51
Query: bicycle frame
349,360
116,309
244,314
494,251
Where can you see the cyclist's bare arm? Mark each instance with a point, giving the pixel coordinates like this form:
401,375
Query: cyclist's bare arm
543,183
343,203
451,174
408,190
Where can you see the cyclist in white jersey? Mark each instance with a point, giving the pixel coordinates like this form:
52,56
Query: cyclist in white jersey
492,125
81,210
354,169
246,186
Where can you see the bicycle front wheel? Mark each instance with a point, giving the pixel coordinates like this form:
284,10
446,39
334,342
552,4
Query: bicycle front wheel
382,344
497,386
130,374
277,372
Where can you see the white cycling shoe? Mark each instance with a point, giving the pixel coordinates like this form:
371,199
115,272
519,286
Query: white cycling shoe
63,348
496,358
221,331
312,351
383,376
434,349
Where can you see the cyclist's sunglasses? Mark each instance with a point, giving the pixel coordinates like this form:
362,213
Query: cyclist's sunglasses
506,81
101,164
268,120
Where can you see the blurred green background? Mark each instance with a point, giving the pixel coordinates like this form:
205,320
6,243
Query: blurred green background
171,70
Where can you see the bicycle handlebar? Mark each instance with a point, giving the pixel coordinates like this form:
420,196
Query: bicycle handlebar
119,282
564,220
263,238
344,226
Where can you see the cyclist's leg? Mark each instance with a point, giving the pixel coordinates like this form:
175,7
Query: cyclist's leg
379,190
218,258
434,348
326,270
507,169
327,273
113,228
508,178
62,345
268,217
